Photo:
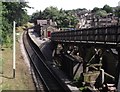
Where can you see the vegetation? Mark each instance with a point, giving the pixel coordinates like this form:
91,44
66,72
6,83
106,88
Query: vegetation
69,18
15,11
23,79
63,18
101,13
106,10
11,11
117,11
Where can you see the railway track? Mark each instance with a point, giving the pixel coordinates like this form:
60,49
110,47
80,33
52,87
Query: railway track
46,79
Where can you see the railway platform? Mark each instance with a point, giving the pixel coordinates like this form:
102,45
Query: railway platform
34,36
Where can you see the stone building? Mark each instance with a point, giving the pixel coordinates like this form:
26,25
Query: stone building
45,27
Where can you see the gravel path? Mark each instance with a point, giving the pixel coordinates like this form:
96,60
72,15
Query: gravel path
24,52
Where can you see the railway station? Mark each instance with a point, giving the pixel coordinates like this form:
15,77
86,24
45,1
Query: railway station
64,54
74,50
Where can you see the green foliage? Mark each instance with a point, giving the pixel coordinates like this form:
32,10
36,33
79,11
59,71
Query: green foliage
101,13
108,9
6,31
50,13
35,16
117,11
62,17
95,9
11,11
15,11
69,18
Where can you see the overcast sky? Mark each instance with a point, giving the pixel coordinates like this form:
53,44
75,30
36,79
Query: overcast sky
69,4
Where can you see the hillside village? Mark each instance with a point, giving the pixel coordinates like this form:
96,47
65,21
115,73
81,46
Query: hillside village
87,19
79,18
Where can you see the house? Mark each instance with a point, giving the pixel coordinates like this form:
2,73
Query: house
87,19
45,27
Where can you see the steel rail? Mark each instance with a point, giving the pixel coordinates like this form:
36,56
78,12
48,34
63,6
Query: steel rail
50,81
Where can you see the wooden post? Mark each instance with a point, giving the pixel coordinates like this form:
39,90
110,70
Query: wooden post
14,50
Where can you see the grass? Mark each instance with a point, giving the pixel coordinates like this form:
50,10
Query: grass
23,79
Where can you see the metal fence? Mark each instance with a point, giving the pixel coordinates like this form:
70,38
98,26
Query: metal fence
106,35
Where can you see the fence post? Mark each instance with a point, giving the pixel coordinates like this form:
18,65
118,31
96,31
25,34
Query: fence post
14,49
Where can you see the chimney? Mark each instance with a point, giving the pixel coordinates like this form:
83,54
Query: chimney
49,22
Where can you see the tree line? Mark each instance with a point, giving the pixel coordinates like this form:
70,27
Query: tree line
69,18
16,11
64,18
11,11
106,10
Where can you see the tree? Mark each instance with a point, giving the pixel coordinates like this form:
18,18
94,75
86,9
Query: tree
51,12
95,9
12,11
16,11
101,13
117,11
108,9
35,16
64,18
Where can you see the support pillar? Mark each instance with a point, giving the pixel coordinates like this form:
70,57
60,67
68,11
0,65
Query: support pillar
117,79
83,50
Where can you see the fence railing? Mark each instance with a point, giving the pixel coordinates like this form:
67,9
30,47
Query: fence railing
106,35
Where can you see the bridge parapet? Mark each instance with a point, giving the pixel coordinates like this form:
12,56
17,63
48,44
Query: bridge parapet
101,35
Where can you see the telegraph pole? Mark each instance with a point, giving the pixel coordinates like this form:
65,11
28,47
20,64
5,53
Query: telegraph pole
14,50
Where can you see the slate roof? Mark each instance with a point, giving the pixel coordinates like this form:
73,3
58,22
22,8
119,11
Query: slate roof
46,23
41,22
